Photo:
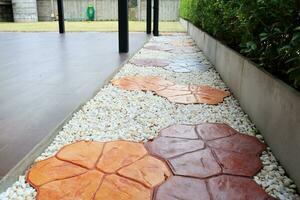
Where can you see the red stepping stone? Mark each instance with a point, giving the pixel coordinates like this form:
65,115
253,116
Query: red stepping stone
183,188
238,143
222,167
150,62
171,147
95,170
222,187
185,94
198,164
235,188
180,131
212,131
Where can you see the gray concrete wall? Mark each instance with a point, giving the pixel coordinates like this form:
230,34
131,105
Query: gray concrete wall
168,10
75,10
25,10
272,105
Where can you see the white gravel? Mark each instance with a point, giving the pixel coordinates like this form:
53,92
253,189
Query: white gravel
138,116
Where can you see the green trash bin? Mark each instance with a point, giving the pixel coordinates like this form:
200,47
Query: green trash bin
90,12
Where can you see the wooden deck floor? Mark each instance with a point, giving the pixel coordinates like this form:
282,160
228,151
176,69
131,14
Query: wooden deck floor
44,77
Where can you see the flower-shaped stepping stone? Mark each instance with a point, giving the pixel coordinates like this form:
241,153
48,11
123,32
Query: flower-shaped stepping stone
209,161
94,170
177,65
187,65
150,62
185,94
176,49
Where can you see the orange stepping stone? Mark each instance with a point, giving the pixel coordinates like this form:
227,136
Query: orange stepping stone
118,188
83,153
79,187
94,170
148,171
119,154
185,94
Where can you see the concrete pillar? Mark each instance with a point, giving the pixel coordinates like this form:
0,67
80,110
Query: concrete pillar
25,10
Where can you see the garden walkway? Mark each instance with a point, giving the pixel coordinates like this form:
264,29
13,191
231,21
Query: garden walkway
44,77
165,128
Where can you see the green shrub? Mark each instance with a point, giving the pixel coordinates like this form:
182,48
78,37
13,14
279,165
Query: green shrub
266,31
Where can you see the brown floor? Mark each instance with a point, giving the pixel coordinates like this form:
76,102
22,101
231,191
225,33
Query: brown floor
44,77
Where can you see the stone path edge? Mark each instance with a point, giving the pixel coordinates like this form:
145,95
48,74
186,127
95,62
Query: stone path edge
24,164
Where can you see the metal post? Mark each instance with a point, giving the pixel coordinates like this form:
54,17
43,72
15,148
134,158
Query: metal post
149,16
61,20
155,17
123,25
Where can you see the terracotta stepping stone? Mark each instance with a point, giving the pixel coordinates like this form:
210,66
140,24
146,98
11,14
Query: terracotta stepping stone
95,170
170,147
183,188
235,188
226,150
222,187
149,62
185,94
222,167
198,164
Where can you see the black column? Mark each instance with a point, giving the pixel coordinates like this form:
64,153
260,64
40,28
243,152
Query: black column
148,17
155,17
61,20
123,25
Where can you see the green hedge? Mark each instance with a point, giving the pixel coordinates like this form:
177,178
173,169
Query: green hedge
266,31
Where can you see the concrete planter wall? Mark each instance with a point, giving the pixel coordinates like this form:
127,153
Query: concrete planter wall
272,105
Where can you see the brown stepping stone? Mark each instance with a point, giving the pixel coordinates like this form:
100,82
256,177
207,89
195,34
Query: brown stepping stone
238,163
173,92
198,164
95,170
235,188
150,62
223,151
222,187
239,143
211,131
169,147
180,131
183,188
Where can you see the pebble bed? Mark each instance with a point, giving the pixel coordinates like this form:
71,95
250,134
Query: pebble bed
115,114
